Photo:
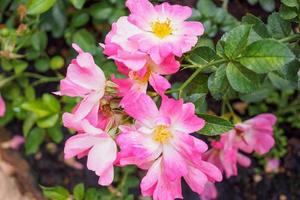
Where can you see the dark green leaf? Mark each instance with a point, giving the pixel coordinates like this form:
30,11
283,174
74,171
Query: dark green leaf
265,56
55,133
242,79
236,40
278,27
85,40
218,84
214,125
78,3
101,11
34,140
80,19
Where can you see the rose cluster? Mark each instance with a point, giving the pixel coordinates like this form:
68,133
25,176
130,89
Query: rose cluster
119,124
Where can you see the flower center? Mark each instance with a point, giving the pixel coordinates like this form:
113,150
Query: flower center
162,29
145,78
162,134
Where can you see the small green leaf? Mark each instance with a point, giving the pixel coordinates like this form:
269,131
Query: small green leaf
207,8
78,192
267,5
19,66
55,133
265,56
236,40
56,62
78,4
201,55
39,40
34,140
80,19
36,107
42,64
28,123
218,84
278,27
51,103
280,82
291,3
101,11
48,122
288,13
214,125
257,25
55,193
242,79
36,7
85,40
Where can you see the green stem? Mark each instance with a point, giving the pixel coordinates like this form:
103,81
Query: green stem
225,4
42,79
290,38
201,68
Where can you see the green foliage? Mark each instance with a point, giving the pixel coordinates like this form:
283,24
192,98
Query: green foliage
215,125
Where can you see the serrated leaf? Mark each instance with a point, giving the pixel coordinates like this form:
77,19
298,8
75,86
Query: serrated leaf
265,56
215,125
217,83
277,27
236,40
241,79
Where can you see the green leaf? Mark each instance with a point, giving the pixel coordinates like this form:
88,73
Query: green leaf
291,3
51,103
36,7
214,125
36,107
28,123
207,8
34,140
280,82
241,79
78,4
217,83
236,40
267,5
39,40
257,25
265,56
278,27
19,66
201,55
78,192
101,11
55,133
79,19
42,64
55,193
257,95
47,122
288,13
85,40
199,100
29,93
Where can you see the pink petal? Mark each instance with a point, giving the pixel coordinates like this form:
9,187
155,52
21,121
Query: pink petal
2,107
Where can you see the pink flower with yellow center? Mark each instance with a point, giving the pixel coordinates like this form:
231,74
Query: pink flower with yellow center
160,141
162,29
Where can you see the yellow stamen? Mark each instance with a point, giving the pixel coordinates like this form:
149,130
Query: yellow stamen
143,79
162,134
162,29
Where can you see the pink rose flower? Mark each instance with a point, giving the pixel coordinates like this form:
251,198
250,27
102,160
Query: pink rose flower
225,155
160,141
99,148
84,79
256,134
2,107
161,30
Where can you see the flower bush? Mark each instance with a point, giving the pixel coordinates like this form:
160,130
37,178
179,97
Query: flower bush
134,111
